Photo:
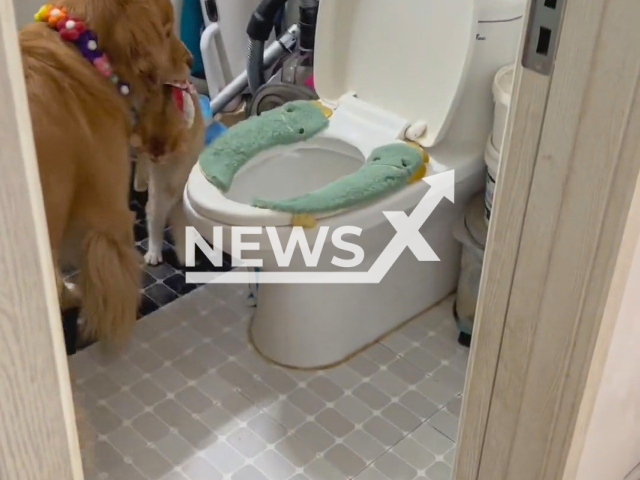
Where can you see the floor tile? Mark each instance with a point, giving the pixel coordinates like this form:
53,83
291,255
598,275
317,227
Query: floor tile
396,468
372,473
249,472
274,466
414,454
445,423
345,460
432,439
450,457
364,445
197,468
436,391
321,469
439,471
175,449
294,449
151,463
226,458
454,407
450,378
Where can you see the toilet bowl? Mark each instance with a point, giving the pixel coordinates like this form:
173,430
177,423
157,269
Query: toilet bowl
412,91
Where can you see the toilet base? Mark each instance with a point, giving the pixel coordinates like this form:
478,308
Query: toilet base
317,326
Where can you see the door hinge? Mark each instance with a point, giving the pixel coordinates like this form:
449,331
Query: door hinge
543,32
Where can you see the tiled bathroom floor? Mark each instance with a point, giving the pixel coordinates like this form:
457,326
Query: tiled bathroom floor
189,399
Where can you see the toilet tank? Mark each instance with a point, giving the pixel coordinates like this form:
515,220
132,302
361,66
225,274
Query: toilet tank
498,34
429,62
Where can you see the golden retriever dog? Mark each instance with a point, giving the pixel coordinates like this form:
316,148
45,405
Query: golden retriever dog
167,141
82,124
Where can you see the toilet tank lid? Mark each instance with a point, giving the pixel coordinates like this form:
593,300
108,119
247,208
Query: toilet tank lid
409,57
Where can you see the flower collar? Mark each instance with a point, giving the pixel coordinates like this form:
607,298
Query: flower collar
183,94
74,30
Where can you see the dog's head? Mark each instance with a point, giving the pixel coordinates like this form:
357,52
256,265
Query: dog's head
162,129
139,37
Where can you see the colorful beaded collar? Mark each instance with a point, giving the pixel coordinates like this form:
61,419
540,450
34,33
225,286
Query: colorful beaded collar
73,29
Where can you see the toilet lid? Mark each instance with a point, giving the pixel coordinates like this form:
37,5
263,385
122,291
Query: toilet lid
409,57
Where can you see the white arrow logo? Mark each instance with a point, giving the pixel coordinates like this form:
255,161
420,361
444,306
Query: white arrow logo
407,236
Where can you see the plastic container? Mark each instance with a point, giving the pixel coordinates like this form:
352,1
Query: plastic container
471,232
213,128
214,131
205,107
492,159
502,87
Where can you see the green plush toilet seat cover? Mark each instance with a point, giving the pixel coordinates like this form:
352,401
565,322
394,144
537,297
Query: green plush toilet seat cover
388,169
286,125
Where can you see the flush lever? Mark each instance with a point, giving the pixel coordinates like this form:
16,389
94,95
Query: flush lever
541,40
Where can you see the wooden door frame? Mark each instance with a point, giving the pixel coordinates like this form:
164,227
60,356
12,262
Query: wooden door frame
565,223
38,436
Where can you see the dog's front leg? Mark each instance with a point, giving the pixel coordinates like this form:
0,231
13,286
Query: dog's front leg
158,207
178,222
141,179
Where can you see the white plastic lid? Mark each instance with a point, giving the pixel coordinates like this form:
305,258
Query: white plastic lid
503,84
409,57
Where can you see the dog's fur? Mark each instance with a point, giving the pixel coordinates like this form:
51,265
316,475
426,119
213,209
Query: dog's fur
167,150
82,127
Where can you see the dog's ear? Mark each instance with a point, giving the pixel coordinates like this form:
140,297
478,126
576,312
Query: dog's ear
140,38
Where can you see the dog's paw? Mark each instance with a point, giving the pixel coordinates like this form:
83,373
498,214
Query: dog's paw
181,256
153,258
70,296
72,287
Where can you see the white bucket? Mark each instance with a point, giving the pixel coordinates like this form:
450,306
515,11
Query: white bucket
502,87
471,232
492,159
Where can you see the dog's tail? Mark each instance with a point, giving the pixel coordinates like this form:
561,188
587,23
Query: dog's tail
110,285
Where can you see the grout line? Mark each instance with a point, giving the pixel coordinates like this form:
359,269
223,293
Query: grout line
444,434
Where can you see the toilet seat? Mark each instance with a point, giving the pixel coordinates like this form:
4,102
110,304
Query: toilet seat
339,138
212,207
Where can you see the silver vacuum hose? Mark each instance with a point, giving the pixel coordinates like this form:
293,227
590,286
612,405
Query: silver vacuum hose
255,65
286,43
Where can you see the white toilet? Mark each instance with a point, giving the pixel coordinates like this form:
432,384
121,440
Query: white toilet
403,70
